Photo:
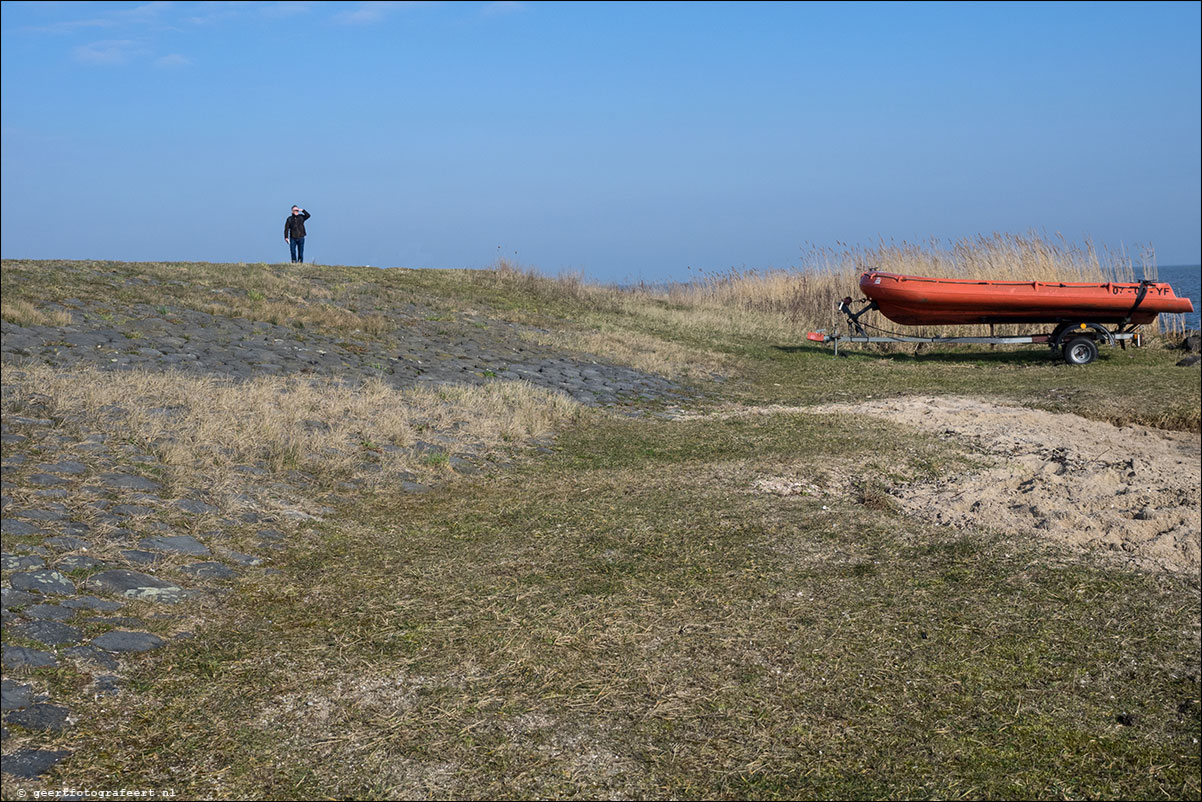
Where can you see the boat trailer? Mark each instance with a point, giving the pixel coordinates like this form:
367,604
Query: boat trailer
1076,340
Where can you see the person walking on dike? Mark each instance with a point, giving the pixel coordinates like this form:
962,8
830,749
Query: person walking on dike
294,233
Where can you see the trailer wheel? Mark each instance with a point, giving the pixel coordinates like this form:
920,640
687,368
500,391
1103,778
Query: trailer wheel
1080,351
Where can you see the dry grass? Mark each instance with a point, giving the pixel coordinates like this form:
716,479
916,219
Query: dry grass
302,313
24,313
203,430
624,617
299,296
806,296
781,304
640,351
627,621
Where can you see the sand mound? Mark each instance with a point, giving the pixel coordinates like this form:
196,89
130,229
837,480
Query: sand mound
1130,490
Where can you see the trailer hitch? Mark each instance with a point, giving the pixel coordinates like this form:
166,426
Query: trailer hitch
853,318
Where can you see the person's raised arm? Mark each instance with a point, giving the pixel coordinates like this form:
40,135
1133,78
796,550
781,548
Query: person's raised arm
306,214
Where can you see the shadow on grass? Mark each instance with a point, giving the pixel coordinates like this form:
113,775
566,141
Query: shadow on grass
1034,356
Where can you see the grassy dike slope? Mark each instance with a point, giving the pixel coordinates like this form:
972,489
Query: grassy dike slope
624,617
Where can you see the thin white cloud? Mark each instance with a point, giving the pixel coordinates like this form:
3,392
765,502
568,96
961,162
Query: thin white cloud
371,13
209,13
172,61
209,19
68,26
145,14
285,9
108,52
136,33
499,7
164,15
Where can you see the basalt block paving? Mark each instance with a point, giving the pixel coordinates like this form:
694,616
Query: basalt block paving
177,544
238,557
46,480
131,510
92,603
66,543
27,764
11,526
470,349
92,655
50,583
128,482
195,507
24,562
10,598
57,514
49,612
50,633
139,557
66,466
209,570
21,420
107,684
77,501
15,695
136,585
24,657
121,641
77,562
52,718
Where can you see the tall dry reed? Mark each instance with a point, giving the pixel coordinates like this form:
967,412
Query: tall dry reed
806,296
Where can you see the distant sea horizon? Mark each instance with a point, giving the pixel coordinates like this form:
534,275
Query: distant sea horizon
1187,283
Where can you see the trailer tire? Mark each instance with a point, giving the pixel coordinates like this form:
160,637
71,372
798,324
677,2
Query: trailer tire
1080,351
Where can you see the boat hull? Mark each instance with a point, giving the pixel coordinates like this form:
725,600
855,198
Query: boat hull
919,301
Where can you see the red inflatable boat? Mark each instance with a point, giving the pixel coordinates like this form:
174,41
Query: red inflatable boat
917,301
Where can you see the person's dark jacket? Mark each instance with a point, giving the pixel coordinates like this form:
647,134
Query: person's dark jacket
294,226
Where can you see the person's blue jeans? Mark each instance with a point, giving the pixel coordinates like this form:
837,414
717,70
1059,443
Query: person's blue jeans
297,246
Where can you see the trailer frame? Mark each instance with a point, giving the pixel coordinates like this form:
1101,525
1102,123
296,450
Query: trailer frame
1077,340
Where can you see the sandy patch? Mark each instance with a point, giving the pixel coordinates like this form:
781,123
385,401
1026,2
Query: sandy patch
1131,490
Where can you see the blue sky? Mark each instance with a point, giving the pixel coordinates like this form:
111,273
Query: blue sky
624,141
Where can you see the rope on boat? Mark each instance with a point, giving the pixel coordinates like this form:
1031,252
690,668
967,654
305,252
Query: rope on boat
1139,299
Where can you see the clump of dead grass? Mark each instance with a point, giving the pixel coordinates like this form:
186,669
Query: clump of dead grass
203,429
302,313
24,313
639,350
510,275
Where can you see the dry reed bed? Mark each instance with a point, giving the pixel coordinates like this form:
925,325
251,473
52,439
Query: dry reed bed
202,429
785,303
807,296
